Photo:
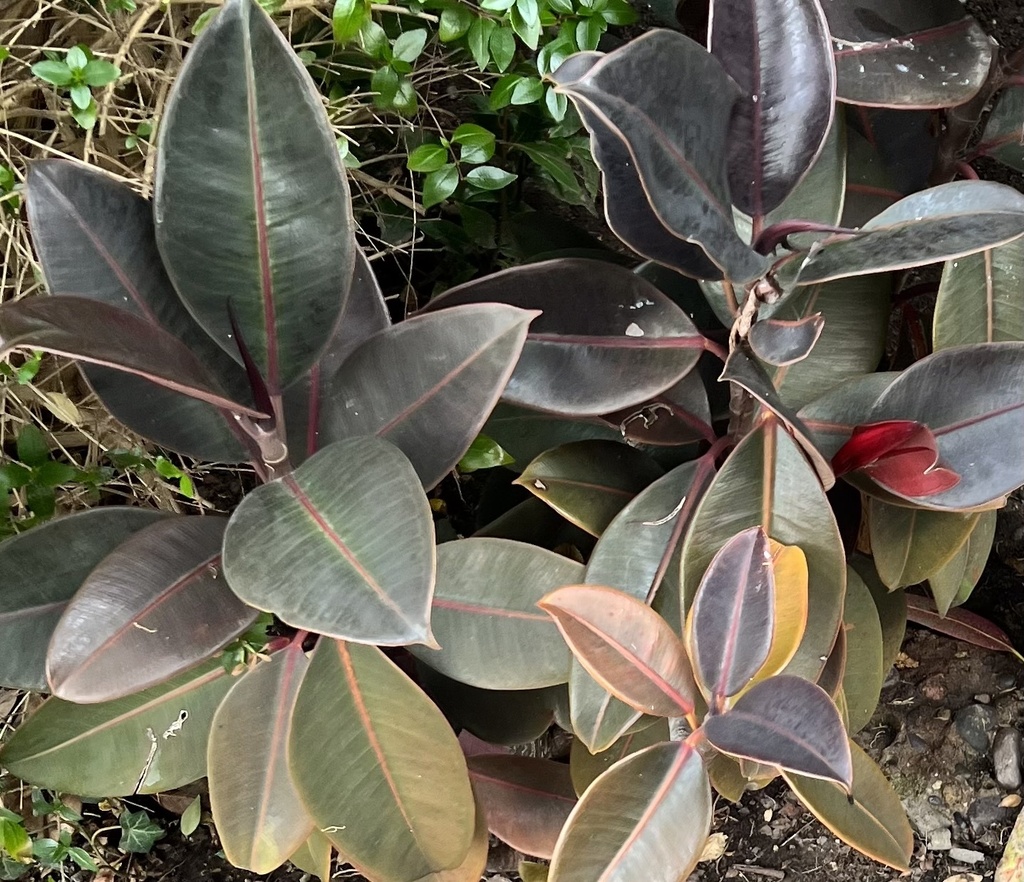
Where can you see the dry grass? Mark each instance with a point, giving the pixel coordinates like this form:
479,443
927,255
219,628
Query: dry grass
148,46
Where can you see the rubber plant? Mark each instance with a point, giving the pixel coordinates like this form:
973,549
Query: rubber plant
233,318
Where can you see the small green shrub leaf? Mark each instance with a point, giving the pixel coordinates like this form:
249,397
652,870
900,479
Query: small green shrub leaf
476,144
503,47
56,73
440,184
479,39
347,19
100,73
427,158
455,22
409,45
487,177
484,453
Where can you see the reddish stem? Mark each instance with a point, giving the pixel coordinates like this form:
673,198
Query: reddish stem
967,171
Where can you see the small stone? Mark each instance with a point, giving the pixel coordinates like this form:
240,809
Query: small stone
1006,682
966,855
1006,758
975,724
933,687
983,698
940,840
986,812
917,743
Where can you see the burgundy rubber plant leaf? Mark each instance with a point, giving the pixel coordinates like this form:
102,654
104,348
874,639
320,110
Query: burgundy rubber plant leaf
901,455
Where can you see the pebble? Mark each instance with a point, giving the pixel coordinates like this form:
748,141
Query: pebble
966,855
975,724
983,698
940,840
986,812
1006,758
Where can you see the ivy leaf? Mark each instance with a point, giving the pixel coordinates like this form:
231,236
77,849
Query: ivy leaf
408,46
479,39
487,177
138,832
427,158
476,144
455,22
440,184
348,19
503,47
81,857
56,73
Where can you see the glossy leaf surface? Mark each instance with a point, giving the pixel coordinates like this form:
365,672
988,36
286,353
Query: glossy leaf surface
942,223
151,741
873,823
585,767
98,333
890,605
260,818
863,672
634,554
909,545
250,187
780,342
960,624
626,647
979,298
970,428
344,546
305,401
787,97
675,146
526,434
95,239
148,611
1003,138
427,384
579,348
314,856
907,54
833,416
787,723
764,477
589,482
732,620
526,800
378,767
627,825
977,550
485,614
37,585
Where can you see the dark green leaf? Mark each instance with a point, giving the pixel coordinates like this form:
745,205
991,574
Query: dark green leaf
526,91
113,638
479,37
138,832
440,184
589,31
241,130
33,449
487,177
503,47
341,546
427,158
455,22
347,18
476,144
38,584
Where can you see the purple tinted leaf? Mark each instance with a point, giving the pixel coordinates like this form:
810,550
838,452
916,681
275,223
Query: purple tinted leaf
972,399
788,723
1003,138
679,415
135,620
731,622
599,323
428,384
250,187
907,54
94,237
960,624
676,146
95,332
365,314
782,342
943,222
780,55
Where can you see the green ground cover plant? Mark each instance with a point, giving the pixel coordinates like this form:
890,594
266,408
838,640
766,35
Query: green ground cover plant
678,587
